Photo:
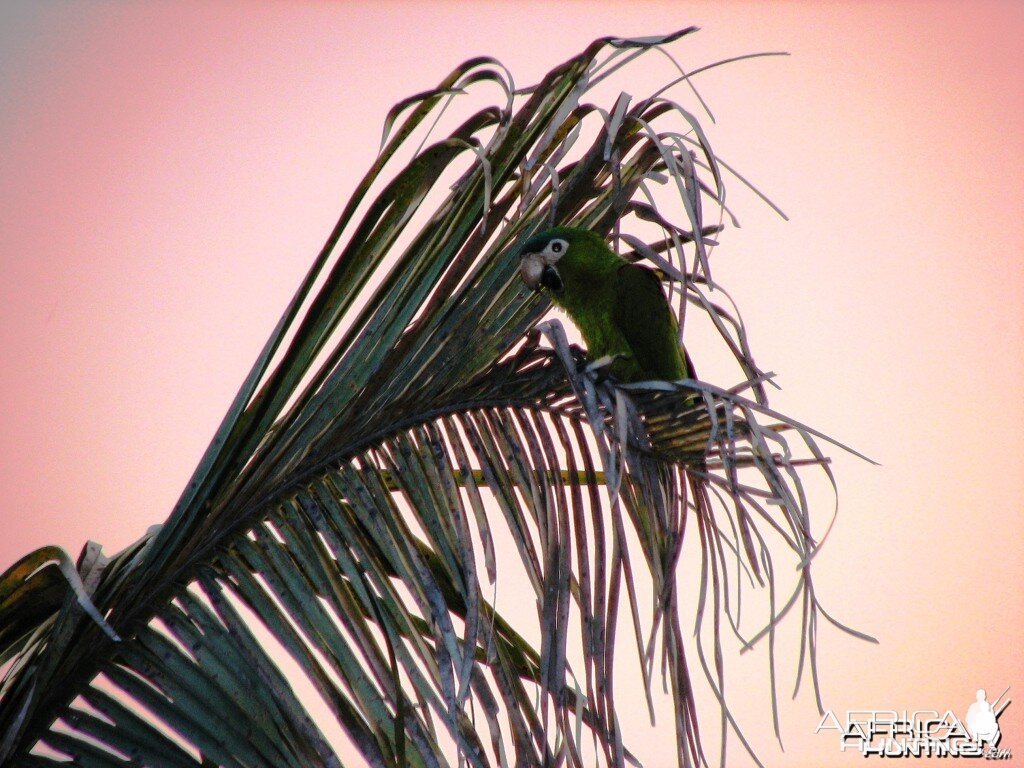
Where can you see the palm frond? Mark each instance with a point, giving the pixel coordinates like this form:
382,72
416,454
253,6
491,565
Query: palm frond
402,411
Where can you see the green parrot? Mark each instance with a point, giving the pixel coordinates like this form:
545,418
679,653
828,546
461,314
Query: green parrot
619,307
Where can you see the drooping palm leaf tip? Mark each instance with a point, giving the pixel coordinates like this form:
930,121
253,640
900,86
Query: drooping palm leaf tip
405,414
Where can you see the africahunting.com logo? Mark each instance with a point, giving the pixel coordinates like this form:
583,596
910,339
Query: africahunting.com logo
922,733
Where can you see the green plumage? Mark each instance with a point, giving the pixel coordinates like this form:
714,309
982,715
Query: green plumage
619,307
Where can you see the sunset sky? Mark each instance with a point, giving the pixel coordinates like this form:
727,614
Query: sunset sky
168,171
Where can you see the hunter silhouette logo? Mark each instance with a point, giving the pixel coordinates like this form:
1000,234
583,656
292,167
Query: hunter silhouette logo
983,718
922,733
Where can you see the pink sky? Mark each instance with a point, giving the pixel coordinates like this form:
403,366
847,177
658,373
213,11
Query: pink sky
168,171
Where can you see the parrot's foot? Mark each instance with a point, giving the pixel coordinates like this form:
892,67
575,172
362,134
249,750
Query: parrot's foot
601,370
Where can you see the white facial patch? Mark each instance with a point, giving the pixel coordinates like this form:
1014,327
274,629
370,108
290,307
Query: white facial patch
555,250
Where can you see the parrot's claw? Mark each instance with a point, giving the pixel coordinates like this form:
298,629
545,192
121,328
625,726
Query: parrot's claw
600,369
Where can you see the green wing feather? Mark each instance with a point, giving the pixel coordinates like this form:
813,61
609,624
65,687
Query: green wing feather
643,315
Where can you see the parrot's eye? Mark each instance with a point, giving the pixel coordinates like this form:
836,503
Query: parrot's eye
558,246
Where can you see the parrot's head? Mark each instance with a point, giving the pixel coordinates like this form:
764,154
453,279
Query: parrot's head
557,256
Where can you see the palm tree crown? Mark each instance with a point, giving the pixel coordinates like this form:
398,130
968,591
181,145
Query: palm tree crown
409,410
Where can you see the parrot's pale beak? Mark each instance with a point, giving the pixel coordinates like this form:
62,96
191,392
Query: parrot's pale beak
537,274
531,269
